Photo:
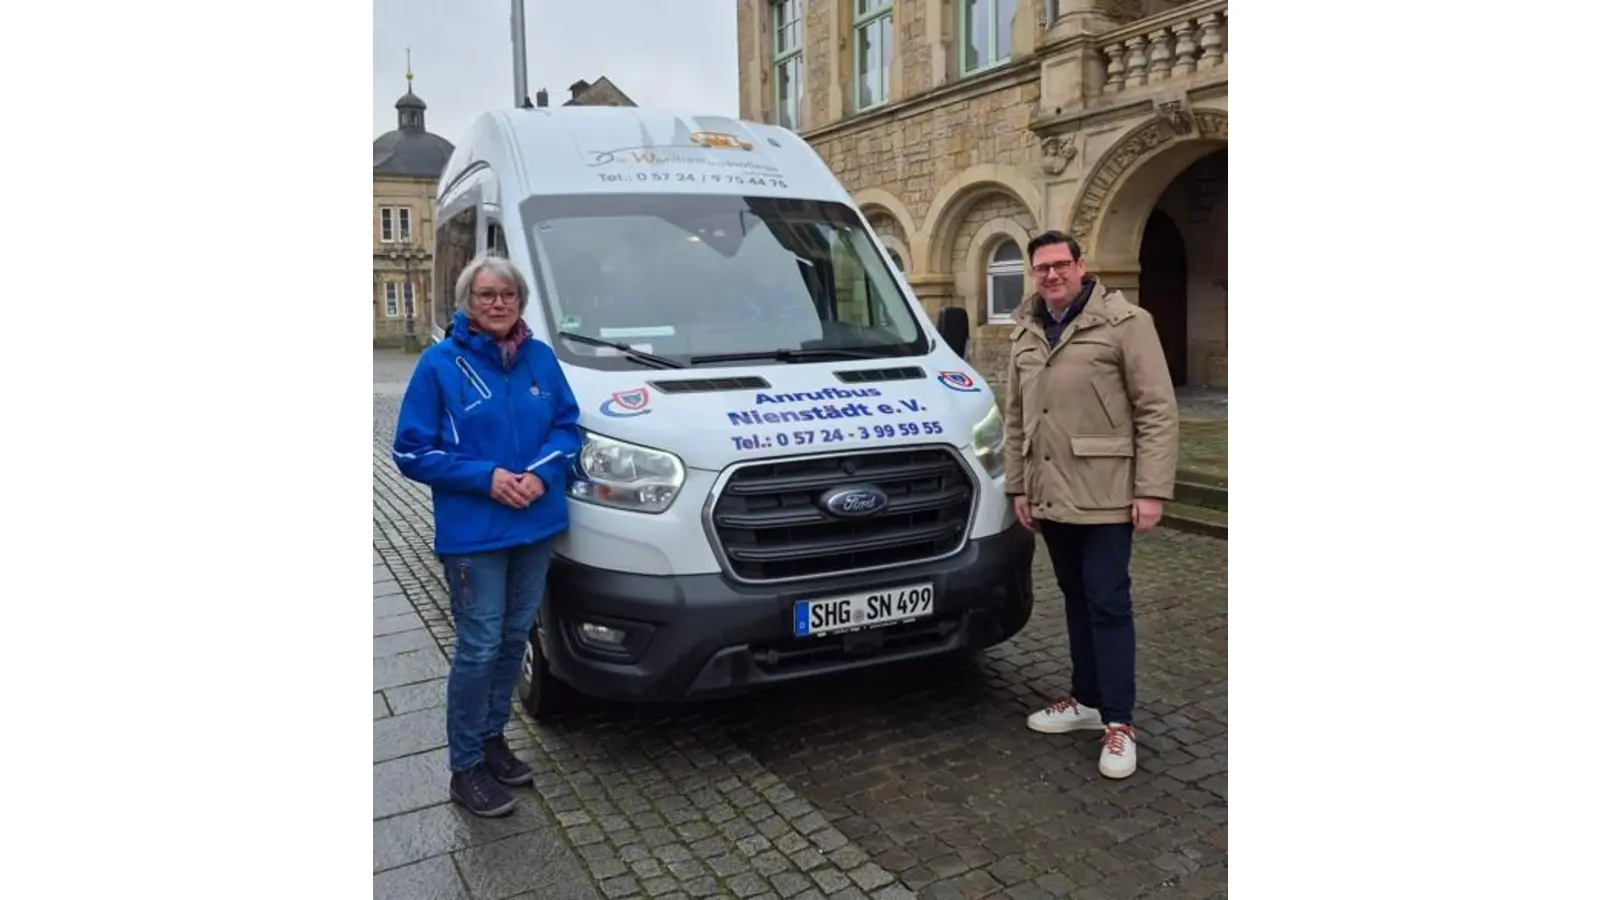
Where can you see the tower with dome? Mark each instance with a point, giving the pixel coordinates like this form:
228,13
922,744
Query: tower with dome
406,164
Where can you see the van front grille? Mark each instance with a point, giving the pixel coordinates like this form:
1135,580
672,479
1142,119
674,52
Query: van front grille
771,525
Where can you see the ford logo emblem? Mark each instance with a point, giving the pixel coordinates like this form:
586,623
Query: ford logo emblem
855,500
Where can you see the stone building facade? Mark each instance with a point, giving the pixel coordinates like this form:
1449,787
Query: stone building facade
962,127
406,164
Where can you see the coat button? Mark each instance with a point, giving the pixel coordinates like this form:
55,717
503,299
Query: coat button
1047,459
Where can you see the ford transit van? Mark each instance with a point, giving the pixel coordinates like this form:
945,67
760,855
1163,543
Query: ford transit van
787,470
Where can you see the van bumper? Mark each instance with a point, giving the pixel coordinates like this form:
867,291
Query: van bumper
703,636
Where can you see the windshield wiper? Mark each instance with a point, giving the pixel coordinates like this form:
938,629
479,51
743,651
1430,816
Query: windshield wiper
649,359
785,354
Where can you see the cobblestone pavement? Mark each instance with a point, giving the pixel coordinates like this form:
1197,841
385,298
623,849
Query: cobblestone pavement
918,782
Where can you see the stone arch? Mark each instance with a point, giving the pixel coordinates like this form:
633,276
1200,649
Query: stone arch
989,213
951,205
874,199
1110,213
899,248
878,205
975,264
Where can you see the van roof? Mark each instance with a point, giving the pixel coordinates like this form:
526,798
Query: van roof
604,149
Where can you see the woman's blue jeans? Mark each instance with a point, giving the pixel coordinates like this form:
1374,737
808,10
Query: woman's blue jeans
494,599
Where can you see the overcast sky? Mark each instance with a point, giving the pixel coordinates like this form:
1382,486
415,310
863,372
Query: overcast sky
681,53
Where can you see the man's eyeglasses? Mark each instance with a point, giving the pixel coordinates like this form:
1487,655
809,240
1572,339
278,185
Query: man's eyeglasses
1060,268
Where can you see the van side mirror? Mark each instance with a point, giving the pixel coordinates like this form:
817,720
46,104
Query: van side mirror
952,326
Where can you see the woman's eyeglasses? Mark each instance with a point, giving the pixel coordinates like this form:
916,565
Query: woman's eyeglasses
488,298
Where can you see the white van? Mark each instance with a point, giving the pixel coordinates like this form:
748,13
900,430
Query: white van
786,470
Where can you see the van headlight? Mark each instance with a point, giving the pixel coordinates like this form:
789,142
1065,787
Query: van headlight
989,442
626,476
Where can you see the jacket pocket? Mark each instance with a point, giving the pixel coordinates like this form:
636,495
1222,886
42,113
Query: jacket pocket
1113,403
1101,474
1110,445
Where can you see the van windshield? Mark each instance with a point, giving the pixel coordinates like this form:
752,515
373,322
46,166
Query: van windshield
706,280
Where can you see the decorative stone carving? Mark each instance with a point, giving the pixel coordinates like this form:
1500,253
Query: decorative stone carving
1176,114
1213,123
1058,153
1140,143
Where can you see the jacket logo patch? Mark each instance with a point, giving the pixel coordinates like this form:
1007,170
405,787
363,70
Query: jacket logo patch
958,381
626,404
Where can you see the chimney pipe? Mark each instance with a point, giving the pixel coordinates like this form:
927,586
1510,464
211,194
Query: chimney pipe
543,98
519,60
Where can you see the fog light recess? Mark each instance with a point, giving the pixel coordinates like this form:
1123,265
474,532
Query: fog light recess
602,635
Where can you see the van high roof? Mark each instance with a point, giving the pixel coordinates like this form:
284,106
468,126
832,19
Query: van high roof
606,149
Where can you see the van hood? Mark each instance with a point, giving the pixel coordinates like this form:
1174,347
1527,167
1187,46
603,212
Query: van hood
711,417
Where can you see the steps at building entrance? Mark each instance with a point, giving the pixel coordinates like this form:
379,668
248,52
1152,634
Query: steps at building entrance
1200,505
1207,495
1195,520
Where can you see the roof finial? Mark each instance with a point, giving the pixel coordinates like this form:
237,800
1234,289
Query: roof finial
408,68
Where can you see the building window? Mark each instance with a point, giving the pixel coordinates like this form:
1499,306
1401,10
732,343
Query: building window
985,33
391,299
1005,278
394,224
410,310
788,60
898,262
874,51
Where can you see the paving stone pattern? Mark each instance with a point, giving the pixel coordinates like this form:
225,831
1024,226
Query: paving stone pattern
921,781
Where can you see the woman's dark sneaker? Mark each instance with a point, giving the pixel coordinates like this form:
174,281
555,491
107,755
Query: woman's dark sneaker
503,764
477,790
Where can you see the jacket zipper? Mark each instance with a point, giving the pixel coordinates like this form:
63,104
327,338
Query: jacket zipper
511,408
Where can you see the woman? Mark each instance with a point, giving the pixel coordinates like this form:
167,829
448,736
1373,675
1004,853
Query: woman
490,424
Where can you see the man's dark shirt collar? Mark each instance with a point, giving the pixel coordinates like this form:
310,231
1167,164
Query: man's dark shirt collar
1053,326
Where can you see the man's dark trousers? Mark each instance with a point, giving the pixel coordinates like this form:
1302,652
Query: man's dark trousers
1091,563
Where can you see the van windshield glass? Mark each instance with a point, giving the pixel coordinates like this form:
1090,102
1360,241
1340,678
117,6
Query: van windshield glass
706,280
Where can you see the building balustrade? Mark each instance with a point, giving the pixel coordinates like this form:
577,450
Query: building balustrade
1174,44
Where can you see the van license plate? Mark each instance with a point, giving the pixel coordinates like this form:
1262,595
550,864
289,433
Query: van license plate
868,610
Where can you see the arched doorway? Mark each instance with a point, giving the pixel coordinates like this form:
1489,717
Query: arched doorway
1164,289
1176,164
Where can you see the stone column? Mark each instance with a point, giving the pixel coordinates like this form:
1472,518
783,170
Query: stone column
897,65
940,41
1025,30
752,27
1122,276
840,54
1075,72
935,291
822,99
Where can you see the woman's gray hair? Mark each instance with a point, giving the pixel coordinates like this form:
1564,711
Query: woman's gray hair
499,267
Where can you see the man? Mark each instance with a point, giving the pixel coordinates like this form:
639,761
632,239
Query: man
1091,453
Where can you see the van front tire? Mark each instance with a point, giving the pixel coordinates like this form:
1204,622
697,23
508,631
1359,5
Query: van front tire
541,693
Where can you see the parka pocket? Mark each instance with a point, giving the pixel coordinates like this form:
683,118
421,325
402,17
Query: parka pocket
1114,404
1098,446
1101,474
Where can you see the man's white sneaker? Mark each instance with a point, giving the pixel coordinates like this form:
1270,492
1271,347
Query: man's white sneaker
1119,752
1063,716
